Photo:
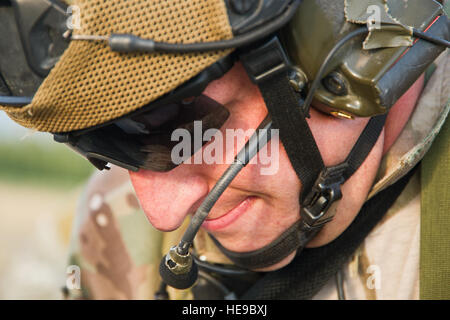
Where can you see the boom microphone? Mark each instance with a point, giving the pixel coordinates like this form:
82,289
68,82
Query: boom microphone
177,268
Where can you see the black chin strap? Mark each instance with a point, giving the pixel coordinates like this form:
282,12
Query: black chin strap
268,67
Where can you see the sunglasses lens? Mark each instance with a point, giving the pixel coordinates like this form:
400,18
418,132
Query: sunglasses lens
146,140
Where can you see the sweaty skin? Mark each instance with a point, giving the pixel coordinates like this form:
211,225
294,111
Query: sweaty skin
265,205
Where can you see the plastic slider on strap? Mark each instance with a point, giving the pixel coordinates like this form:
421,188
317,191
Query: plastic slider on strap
265,61
327,189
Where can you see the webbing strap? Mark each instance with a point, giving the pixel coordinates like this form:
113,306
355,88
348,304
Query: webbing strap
268,68
298,235
364,145
310,271
435,220
287,116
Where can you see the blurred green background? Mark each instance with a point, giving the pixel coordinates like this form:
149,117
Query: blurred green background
40,184
33,158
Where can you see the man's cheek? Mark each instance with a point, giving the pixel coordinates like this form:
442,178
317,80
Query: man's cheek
167,198
270,160
140,186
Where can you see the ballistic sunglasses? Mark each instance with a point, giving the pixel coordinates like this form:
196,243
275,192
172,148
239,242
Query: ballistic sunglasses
143,139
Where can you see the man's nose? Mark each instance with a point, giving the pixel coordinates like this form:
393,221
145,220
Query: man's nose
168,197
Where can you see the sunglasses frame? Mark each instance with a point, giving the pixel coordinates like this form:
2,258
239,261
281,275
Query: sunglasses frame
82,141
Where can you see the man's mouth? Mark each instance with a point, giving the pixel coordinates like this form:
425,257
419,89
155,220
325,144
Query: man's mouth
215,224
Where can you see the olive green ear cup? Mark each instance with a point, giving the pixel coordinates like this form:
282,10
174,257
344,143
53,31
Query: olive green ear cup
359,82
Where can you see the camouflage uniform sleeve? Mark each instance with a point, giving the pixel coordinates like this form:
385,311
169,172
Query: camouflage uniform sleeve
113,247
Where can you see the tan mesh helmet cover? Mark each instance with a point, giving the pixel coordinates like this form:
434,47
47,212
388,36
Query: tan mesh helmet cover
91,84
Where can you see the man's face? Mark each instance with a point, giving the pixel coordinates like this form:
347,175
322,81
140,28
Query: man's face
255,209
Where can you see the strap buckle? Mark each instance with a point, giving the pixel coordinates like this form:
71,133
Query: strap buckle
315,211
266,61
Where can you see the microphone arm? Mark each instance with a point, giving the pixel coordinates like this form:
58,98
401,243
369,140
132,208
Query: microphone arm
177,268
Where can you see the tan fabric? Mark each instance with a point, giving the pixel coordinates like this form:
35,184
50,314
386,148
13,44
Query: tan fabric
91,84
386,266
420,131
